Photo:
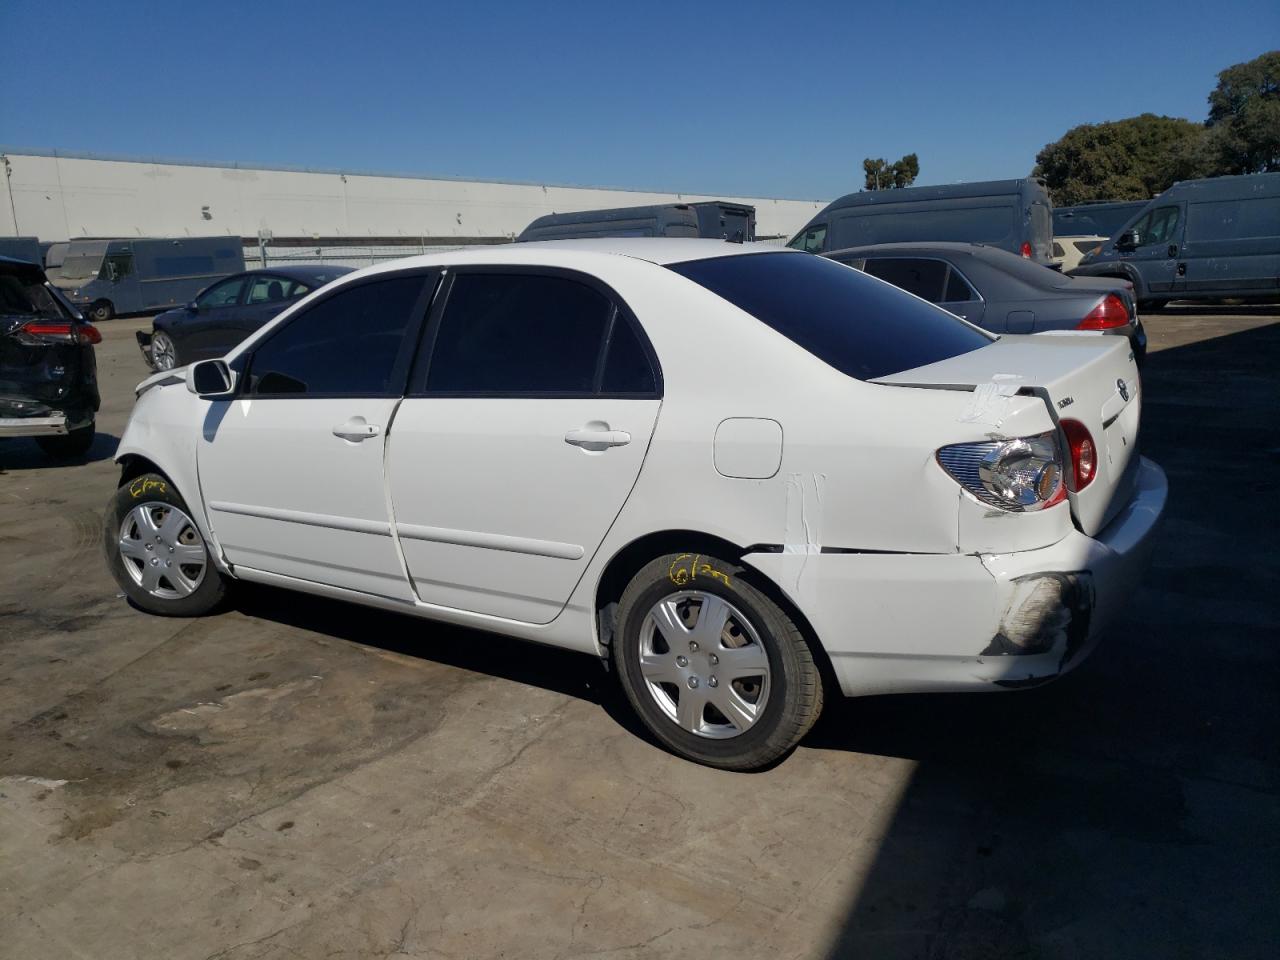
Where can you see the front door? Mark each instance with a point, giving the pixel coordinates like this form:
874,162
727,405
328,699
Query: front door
1156,255
203,331
521,440
292,469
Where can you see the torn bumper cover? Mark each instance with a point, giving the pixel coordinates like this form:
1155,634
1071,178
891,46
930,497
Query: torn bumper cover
144,344
908,623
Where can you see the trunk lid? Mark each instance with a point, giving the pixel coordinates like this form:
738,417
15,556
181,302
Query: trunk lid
1085,377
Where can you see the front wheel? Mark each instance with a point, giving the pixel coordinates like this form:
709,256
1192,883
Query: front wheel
716,670
101,311
164,352
156,552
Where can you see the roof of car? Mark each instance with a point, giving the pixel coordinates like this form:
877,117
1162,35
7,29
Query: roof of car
940,246
659,250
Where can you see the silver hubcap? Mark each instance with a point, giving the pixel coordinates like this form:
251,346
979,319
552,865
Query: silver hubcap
163,354
704,665
162,550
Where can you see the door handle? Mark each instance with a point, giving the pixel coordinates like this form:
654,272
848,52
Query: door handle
1182,269
1173,250
596,436
356,429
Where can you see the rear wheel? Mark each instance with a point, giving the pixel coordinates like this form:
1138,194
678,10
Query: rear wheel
164,352
715,669
68,446
101,311
157,553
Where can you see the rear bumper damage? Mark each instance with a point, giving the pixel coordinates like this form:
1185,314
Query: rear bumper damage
144,344
903,623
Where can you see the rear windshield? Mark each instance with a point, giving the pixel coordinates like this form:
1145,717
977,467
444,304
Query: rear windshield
862,326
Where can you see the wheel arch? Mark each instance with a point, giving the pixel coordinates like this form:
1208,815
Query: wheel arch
631,558
134,465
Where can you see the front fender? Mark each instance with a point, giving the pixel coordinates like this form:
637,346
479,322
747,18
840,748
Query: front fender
163,430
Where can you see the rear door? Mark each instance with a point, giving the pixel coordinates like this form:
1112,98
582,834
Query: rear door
520,440
292,469
1232,247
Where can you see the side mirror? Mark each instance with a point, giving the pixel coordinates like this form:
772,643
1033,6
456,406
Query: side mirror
193,306
211,380
1128,240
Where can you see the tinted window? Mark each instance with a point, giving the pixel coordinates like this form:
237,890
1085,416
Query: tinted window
925,278
855,323
345,345
626,366
958,290
518,333
1232,219
971,224
812,240
224,294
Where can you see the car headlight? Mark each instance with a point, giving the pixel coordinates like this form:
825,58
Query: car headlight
1021,475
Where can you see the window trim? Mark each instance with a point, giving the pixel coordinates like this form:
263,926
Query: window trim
404,357
417,384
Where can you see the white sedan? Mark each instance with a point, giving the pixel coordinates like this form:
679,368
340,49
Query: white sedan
741,477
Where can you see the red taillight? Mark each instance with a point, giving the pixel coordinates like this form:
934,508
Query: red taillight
1110,312
1084,456
1026,250
62,331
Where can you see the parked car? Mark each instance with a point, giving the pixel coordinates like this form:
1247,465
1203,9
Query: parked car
226,312
106,277
842,476
48,372
1078,230
1199,240
710,219
1002,292
1014,215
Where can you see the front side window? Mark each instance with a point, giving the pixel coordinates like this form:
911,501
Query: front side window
813,239
224,294
853,322
117,266
927,279
504,334
1157,226
347,345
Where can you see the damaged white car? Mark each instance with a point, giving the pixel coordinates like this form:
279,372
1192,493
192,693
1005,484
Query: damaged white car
742,477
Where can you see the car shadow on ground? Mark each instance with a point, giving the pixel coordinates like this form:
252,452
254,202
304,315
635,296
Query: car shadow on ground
23,453
1189,309
550,668
1128,809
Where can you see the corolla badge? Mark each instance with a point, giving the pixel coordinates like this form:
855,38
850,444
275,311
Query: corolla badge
1124,390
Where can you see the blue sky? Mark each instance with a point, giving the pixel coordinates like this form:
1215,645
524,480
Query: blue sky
745,98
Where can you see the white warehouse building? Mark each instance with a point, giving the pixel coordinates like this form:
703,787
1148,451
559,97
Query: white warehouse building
59,196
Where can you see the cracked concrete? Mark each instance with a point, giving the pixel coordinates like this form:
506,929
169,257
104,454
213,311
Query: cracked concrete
300,778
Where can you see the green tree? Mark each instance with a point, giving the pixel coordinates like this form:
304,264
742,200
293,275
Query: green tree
1244,116
1131,159
883,175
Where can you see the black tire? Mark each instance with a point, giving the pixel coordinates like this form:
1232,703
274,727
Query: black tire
154,492
101,311
794,686
68,446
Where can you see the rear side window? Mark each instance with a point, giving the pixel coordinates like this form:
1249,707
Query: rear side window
925,278
853,322
990,224
518,333
346,345
1234,219
958,289
627,369
813,239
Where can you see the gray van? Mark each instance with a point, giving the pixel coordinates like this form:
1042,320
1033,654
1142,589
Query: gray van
1199,240
713,219
106,277
1013,215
